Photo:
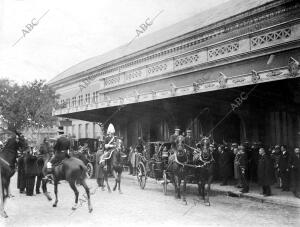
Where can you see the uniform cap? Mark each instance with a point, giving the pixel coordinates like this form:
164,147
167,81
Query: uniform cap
111,129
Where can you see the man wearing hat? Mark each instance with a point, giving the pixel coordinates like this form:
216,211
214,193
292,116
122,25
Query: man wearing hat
110,139
61,148
190,144
173,138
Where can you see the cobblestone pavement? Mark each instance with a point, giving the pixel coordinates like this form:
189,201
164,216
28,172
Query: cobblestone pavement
136,207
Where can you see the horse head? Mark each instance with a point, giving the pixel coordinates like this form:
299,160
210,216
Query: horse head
203,153
180,150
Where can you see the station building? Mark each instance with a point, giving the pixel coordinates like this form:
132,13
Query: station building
231,72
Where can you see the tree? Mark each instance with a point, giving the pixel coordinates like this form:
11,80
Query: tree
29,105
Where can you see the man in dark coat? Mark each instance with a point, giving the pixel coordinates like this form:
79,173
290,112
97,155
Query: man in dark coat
21,182
265,172
61,147
99,171
243,165
140,145
284,169
173,138
225,163
43,155
275,156
190,144
295,172
30,164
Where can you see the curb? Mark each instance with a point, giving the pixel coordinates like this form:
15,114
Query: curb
253,197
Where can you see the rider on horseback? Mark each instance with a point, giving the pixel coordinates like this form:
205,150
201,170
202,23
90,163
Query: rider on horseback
110,140
61,149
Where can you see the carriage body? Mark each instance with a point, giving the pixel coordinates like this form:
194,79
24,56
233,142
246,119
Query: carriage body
153,163
89,159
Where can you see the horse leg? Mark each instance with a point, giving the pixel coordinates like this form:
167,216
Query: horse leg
44,187
119,182
87,190
184,192
73,186
3,197
106,181
116,180
177,186
55,191
207,202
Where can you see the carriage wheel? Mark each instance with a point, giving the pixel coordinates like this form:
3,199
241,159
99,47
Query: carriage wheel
165,182
141,175
90,170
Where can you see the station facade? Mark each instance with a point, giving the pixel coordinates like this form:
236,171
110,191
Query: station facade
231,72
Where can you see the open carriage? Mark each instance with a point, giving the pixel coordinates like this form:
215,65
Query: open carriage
153,163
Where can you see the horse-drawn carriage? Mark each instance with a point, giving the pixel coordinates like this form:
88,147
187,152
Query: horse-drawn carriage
181,163
153,163
86,154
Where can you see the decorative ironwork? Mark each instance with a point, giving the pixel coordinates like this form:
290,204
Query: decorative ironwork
223,50
271,37
133,75
157,68
191,59
255,76
111,81
293,67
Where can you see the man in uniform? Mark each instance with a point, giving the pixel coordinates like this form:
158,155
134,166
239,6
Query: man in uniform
190,144
61,148
242,165
110,139
109,142
173,138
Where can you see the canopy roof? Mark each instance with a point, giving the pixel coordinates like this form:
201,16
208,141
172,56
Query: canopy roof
203,19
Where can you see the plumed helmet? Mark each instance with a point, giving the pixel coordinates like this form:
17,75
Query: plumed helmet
111,129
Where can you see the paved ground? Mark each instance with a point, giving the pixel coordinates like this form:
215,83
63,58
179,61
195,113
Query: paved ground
149,207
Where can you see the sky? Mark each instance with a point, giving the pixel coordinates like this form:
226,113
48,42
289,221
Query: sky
41,38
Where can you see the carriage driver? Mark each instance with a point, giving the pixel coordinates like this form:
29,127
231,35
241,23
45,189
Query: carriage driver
174,137
61,148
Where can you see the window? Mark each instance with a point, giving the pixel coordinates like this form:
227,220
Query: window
86,130
73,130
68,102
87,98
73,101
80,100
79,131
95,97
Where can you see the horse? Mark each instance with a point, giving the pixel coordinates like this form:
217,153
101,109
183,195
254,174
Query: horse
176,168
204,163
113,159
72,170
8,159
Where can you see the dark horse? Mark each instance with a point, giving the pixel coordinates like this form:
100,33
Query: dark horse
8,157
72,170
176,168
204,167
113,159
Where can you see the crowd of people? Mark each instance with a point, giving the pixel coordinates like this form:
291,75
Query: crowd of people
30,168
